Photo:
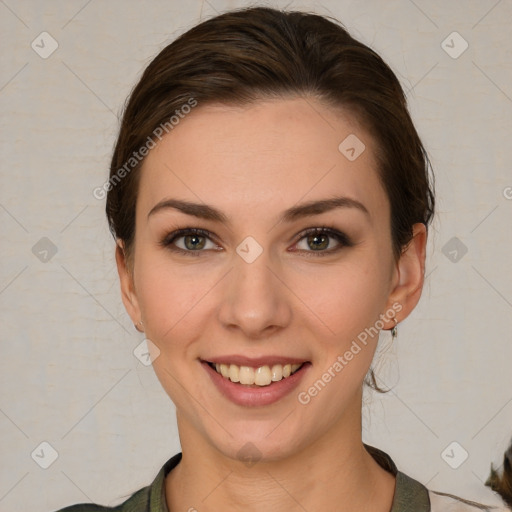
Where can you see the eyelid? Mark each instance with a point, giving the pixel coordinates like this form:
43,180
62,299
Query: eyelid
342,239
167,241
334,232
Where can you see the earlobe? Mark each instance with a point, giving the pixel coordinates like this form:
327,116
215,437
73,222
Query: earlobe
128,293
411,270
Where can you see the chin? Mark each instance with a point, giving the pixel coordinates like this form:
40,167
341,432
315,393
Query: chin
251,451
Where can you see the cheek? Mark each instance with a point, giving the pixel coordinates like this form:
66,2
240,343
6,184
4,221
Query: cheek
349,297
167,295
170,303
349,300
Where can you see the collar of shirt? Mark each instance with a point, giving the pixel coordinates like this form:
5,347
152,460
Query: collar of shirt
409,493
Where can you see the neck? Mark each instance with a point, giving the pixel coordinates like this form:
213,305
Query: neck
333,473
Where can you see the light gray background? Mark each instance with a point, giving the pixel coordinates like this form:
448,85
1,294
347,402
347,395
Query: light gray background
68,374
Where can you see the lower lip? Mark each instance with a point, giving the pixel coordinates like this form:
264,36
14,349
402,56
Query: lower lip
255,396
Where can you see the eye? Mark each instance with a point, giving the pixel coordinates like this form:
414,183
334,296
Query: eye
318,240
189,241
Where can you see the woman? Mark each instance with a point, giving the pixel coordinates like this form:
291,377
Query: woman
270,197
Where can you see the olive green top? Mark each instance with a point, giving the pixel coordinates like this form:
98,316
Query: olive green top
410,495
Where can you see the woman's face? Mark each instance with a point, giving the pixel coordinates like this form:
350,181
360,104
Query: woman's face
257,292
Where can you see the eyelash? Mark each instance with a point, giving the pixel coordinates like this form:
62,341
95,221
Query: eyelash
342,239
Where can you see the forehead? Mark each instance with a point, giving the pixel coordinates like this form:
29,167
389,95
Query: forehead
267,154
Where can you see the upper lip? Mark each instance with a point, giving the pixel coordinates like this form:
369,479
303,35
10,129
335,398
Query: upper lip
254,362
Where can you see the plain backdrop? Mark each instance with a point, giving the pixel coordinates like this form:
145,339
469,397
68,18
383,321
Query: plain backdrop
69,378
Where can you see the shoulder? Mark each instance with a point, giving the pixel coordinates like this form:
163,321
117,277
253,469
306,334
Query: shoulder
443,502
149,498
136,502
411,493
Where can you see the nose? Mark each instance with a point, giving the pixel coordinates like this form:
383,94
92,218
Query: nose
254,299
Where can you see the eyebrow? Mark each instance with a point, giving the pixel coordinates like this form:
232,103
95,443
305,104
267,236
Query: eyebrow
308,209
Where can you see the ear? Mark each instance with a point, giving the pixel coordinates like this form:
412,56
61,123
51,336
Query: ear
128,293
410,271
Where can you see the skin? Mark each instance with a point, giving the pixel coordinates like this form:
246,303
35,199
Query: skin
252,163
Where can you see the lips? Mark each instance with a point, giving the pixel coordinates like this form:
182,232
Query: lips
257,381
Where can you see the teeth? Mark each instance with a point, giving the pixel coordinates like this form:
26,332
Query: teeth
277,372
234,373
262,376
246,375
224,370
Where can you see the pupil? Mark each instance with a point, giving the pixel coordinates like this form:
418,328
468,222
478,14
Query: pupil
194,244
316,238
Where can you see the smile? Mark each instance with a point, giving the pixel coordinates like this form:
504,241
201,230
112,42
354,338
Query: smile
260,376
257,381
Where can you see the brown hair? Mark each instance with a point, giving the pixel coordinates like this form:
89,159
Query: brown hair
502,483
256,53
